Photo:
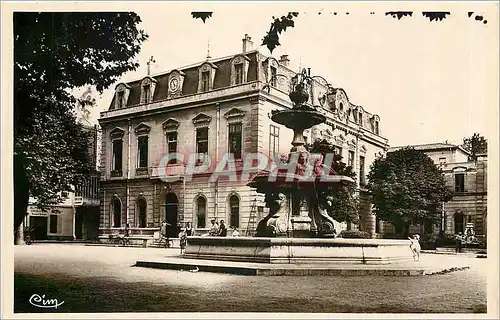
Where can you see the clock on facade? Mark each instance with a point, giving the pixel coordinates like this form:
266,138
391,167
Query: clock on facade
174,84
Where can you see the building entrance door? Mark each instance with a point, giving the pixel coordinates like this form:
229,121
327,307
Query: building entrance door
39,225
171,211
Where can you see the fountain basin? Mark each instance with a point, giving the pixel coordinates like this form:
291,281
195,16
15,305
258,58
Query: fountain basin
298,119
298,250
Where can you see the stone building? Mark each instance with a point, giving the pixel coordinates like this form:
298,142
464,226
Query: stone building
211,109
77,217
468,180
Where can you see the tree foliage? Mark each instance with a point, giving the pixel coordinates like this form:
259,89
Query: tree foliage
407,188
54,53
342,203
279,25
201,15
475,144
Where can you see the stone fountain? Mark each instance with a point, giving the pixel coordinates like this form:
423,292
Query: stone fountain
294,186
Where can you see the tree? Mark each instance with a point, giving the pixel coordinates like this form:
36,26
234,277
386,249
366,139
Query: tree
342,203
475,145
53,54
407,188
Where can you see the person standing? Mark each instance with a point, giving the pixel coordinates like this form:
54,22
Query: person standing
183,241
222,229
189,230
127,230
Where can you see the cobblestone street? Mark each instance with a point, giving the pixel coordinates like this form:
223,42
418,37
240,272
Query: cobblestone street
103,279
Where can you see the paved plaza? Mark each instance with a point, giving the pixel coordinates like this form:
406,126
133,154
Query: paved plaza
104,279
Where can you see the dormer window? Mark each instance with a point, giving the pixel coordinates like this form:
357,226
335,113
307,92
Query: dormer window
122,91
120,99
376,127
273,76
206,76
205,81
239,69
148,86
147,92
360,117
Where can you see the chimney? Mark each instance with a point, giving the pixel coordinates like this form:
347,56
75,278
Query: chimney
284,60
247,44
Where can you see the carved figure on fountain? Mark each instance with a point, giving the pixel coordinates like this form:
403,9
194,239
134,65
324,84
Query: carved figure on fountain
273,224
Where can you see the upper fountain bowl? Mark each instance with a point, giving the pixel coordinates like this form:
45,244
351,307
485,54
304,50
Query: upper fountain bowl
298,119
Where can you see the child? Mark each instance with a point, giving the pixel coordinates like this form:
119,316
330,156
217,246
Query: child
415,247
183,241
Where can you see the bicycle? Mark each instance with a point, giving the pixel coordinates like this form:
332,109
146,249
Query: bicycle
165,241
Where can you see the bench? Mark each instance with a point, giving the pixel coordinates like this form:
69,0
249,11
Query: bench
144,239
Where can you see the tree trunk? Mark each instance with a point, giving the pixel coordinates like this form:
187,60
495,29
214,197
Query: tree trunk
21,196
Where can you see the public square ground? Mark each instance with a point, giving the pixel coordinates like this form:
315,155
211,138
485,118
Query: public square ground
103,279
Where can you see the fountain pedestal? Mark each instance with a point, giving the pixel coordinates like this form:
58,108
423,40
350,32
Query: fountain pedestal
298,250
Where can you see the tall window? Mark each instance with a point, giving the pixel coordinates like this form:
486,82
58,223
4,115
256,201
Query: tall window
376,127
205,81
235,140
53,223
172,144
238,69
362,171
146,93
117,213
201,209
360,117
117,154
234,205
141,208
142,148
350,159
202,140
274,137
459,182
273,76
120,99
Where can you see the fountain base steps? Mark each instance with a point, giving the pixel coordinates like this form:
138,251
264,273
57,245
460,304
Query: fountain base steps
408,268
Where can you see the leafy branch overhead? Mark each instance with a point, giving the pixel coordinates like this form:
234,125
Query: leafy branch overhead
399,14
279,25
202,15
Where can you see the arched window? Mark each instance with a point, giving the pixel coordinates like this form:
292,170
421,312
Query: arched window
234,207
201,209
117,213
142,212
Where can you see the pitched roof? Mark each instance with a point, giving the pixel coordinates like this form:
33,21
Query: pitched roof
431,146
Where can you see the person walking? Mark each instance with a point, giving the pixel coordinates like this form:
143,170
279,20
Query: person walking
458,243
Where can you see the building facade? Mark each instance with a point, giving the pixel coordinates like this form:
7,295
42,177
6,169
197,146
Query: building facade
213,109
468,180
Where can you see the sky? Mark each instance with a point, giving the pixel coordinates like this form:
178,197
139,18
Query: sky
428,81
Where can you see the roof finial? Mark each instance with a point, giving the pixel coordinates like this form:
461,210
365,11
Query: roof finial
208,50
149,64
